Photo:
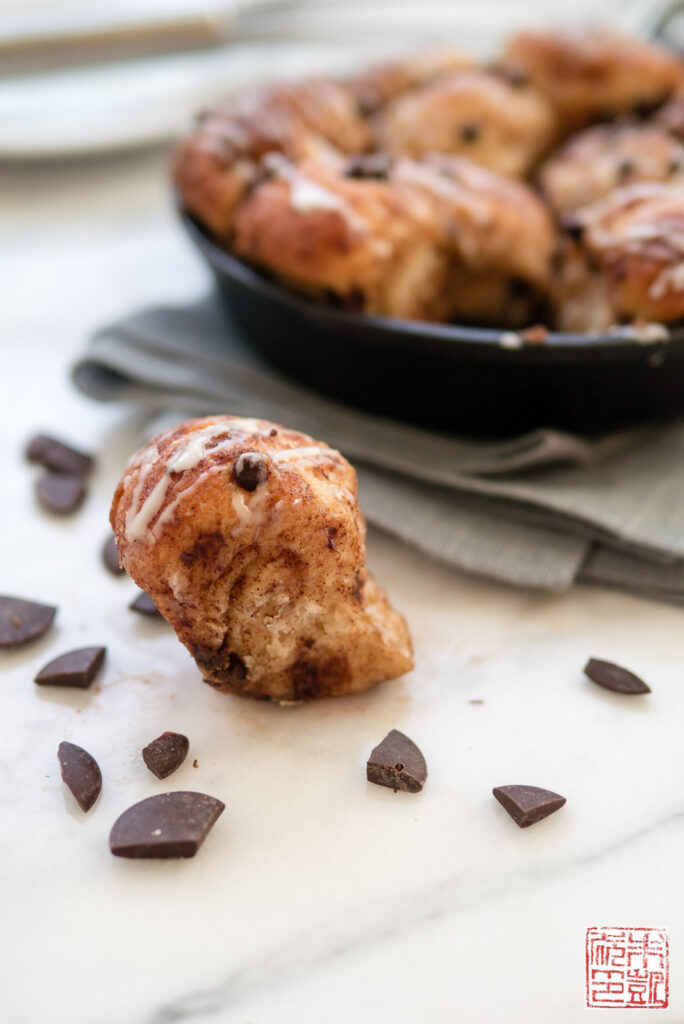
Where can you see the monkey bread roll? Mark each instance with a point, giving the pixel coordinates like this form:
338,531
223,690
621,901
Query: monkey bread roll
351,237
477,114
214,167
591,74
598,160
376,85
250,540
625,261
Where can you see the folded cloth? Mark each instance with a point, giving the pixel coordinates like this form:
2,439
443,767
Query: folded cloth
542,510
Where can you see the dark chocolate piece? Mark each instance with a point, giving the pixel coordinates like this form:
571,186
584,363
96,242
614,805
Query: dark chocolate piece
56,455
470,131
625,169
614,678
60,492
398,763
528,804
22,621
164,826
110,557
144,605
81,773
250,470
163,755
75,668
369,166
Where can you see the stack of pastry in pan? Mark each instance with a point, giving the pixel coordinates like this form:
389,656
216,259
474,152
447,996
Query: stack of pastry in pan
546,187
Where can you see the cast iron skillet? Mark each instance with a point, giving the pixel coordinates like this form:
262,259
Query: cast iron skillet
455,378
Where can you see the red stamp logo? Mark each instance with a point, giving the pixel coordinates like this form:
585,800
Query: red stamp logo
627,968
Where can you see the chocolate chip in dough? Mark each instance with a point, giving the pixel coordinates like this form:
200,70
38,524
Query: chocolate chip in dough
250,470
165,826
110,557
75,668
528,804
163,755
369,166
144,605
56,455
613,677
398,763
469,132
81,773
60,492
22,621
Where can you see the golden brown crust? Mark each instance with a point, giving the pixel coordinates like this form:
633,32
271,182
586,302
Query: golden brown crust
590,74
266,587
476,114
627,262
595,162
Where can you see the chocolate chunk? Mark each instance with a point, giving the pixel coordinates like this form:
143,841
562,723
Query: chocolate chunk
163,755
369,166
614,678
398,763
625,169
144,605
81,773
164,826
76,668
528,804
22,621
110,557
55,455
469,132
60,492
250,470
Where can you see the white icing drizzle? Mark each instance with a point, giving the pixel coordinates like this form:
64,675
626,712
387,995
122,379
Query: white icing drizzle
311,452
189,454
671,279
307,195
444,187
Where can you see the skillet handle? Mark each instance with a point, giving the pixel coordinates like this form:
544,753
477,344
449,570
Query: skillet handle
658,27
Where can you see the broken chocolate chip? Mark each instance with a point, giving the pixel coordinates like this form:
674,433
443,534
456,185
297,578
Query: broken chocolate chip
527,804
398,763
613,677
144,605
75,668
110,557
81,773
56,455
165,826
60,492
22,621
163,755
250,470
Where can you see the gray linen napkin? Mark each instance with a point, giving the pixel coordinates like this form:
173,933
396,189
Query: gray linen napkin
543,510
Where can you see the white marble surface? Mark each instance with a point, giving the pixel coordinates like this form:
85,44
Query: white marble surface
317,897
